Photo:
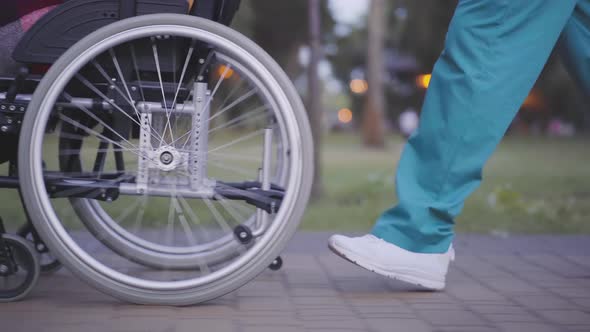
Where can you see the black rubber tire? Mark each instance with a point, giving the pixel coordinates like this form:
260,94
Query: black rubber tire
244,273
26,257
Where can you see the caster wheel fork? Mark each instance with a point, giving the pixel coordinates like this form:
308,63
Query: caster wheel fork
47,261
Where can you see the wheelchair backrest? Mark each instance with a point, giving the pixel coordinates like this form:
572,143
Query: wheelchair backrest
64,26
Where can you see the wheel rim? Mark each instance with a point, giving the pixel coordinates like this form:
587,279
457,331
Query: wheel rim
294,173
97,220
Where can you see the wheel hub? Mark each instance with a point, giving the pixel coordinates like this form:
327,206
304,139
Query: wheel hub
167,158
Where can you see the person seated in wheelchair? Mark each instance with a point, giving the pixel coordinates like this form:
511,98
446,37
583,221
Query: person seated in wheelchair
16,18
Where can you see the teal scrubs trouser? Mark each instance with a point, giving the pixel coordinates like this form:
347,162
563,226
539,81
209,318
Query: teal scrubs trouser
494,53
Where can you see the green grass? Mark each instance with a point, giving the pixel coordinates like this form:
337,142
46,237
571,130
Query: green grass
531,185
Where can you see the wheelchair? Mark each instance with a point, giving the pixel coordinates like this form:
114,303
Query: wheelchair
161,156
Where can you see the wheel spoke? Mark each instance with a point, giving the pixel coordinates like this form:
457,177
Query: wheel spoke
227,205
140,214
233,169
186,63
238,140
105,98
136,68
193,217
122,78
236,156
232,105
92,132
127,212
217,216
249,116
204,268
157,60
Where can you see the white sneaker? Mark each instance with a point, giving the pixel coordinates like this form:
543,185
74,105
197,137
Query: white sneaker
376,255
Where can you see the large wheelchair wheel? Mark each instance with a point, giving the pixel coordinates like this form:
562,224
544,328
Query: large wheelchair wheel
162,135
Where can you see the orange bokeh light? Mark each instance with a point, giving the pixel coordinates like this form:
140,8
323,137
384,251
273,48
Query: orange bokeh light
225,72
534,101
359,86
345,115
423,81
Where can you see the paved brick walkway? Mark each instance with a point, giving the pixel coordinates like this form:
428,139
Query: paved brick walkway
525,283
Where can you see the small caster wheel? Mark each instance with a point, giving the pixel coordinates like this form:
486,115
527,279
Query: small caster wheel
276,264
19,268
49,264
243,234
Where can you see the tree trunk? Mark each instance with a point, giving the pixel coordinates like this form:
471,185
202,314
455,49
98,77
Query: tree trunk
314,105
373,118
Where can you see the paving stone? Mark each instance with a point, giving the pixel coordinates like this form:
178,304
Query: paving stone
513,287
498,309
579,260
513,263
437,306
341,311
581,328
474,292
568,291
305,292
428,297
558,265
265,304
492,287
388,325
543,302
477,267
466,329
205,311
386,309
321,301
528,327
518,318
269,319
565,317
582,302
140,323
343,324
457,317
272,329
191,325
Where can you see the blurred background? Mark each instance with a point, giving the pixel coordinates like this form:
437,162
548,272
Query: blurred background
363,67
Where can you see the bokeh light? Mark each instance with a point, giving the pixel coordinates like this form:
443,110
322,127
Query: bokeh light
423,81
345,115
359,86
225,72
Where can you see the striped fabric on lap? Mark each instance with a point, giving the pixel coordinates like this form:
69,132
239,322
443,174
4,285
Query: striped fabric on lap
13,10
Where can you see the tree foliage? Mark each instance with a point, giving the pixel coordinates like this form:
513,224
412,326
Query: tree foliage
281,28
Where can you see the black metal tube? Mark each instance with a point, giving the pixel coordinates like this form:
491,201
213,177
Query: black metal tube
119,161
9,182
101,157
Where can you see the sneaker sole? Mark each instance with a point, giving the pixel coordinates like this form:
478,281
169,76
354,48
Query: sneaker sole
432,285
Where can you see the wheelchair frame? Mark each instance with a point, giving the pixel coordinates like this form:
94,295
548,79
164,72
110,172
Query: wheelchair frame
44,43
